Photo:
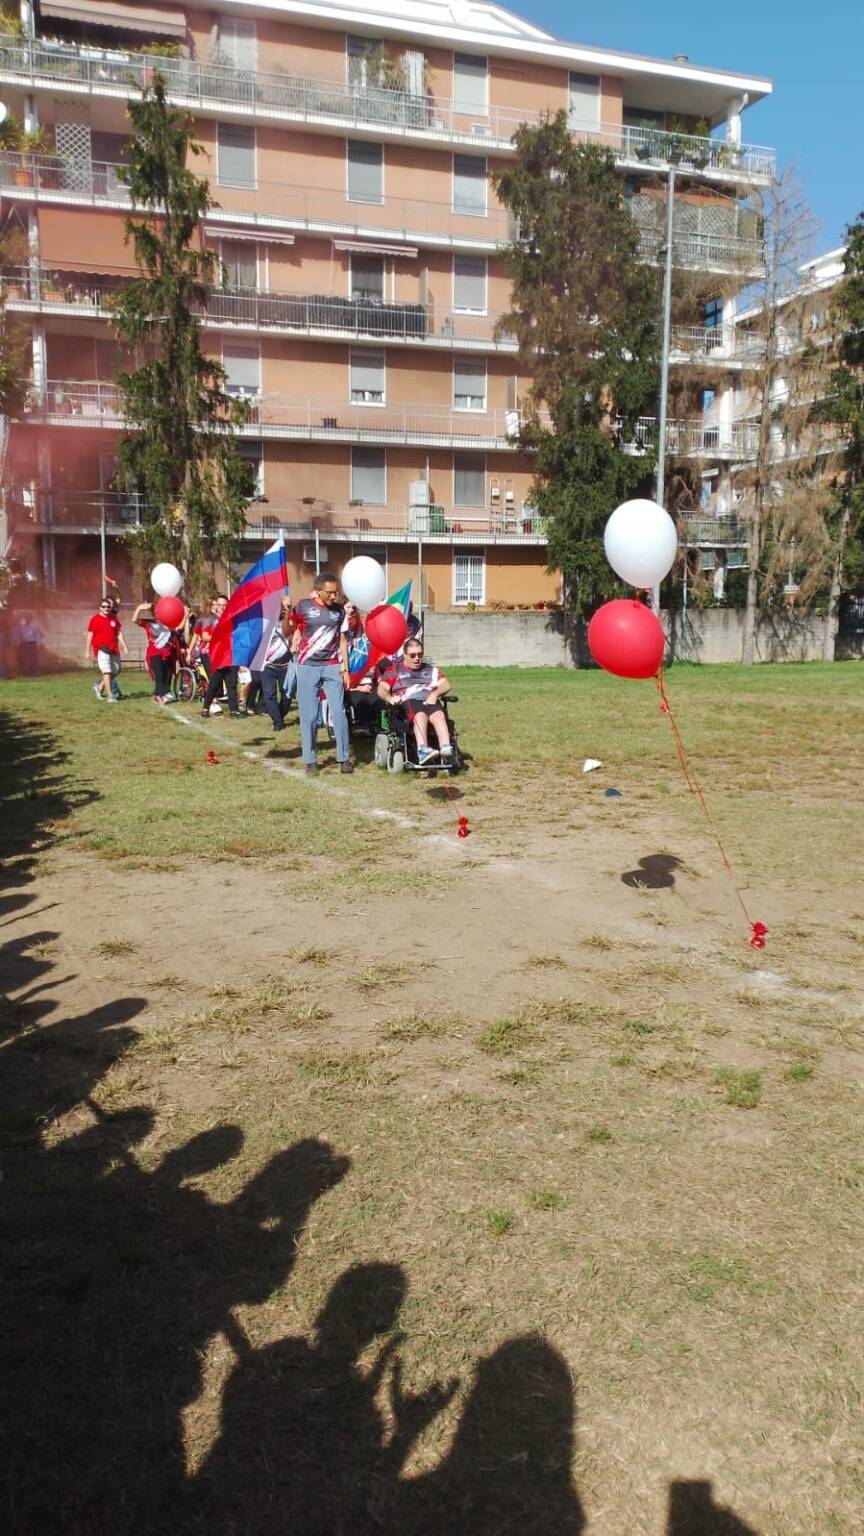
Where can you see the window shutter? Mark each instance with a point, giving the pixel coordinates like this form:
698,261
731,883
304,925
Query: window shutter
243,369
469,184
367,277
584,102
469,283
237,41
365,171
367,376
236,155
469,480
470,83
369,475
469,383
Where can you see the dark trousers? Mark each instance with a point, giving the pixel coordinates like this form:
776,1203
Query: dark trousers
218,675
162,672
28,657
275,697
366,708
253,692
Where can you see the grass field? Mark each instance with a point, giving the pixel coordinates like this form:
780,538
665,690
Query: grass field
356,1179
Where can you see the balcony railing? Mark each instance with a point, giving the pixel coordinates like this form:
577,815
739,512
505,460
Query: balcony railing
713,532
74,511
217,84
80,181
320,418
716,344
698,439
264,310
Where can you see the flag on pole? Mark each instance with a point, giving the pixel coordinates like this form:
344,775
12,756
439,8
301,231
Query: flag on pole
362,655
243,633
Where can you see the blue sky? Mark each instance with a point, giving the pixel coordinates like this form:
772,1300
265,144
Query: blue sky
813,50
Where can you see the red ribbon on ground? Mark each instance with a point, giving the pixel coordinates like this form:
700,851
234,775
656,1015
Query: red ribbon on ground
758,931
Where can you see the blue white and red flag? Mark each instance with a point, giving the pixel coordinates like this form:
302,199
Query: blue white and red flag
243,633
362,656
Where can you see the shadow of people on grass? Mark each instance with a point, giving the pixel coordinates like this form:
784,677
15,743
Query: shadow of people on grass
118,1271
655,873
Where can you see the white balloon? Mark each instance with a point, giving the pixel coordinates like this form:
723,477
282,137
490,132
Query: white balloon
364,582
641,543
165,579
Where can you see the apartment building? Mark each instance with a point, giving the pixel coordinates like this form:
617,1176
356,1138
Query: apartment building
348,150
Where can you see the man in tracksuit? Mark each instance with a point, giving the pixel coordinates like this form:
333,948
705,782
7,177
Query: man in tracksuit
322,665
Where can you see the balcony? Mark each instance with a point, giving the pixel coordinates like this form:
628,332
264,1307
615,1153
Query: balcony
35,290
69,512
712,533
725,346
82,182
219,87
698,439
706,237
299,418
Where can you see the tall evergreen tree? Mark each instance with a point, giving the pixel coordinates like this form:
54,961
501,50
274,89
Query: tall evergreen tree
585,312
844,407
180,451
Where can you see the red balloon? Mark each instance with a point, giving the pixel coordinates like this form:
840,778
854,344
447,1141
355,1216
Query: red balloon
386,628
170,612
627,639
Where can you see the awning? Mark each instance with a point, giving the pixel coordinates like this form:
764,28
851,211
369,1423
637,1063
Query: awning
113,13
366,249
262,237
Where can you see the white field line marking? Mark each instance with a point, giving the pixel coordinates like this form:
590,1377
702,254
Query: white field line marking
374,813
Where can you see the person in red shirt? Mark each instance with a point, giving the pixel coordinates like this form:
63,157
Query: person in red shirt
162,653
105,640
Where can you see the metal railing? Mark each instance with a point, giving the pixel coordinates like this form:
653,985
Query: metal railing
721,343
216,83
75,510
315,417
713,532
268,310
98,183
697,438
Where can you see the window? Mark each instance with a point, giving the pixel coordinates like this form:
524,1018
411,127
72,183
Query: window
470,84
363,51
469,480
365,172
237,41
469,383
469,184
253,457
240,261
584,100
469,578
242,370
367,378
236,155
708,398
369,476
469,284
367,277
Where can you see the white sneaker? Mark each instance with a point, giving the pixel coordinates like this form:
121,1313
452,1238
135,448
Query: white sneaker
425,755
446,753
97,689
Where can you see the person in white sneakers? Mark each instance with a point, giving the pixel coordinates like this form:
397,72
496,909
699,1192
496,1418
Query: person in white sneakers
105,640
419,688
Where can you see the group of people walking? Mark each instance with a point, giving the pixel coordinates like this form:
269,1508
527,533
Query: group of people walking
307,654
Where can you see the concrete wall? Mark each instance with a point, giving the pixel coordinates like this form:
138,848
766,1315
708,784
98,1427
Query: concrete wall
496,639
508,639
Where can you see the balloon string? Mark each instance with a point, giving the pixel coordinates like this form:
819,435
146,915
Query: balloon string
695,788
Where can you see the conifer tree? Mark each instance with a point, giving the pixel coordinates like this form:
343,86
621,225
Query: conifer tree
585,312
180,451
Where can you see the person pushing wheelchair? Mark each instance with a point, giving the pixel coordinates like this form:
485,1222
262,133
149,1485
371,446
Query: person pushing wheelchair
415,685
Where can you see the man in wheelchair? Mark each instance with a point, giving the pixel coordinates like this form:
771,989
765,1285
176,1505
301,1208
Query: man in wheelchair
415,686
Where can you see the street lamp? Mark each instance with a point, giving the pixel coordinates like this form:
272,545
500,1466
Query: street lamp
674,157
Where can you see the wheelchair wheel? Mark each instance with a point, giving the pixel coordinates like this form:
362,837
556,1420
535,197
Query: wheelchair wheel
381,751
185,684
396,762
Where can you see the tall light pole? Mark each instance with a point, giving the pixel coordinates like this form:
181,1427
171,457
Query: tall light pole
664,354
